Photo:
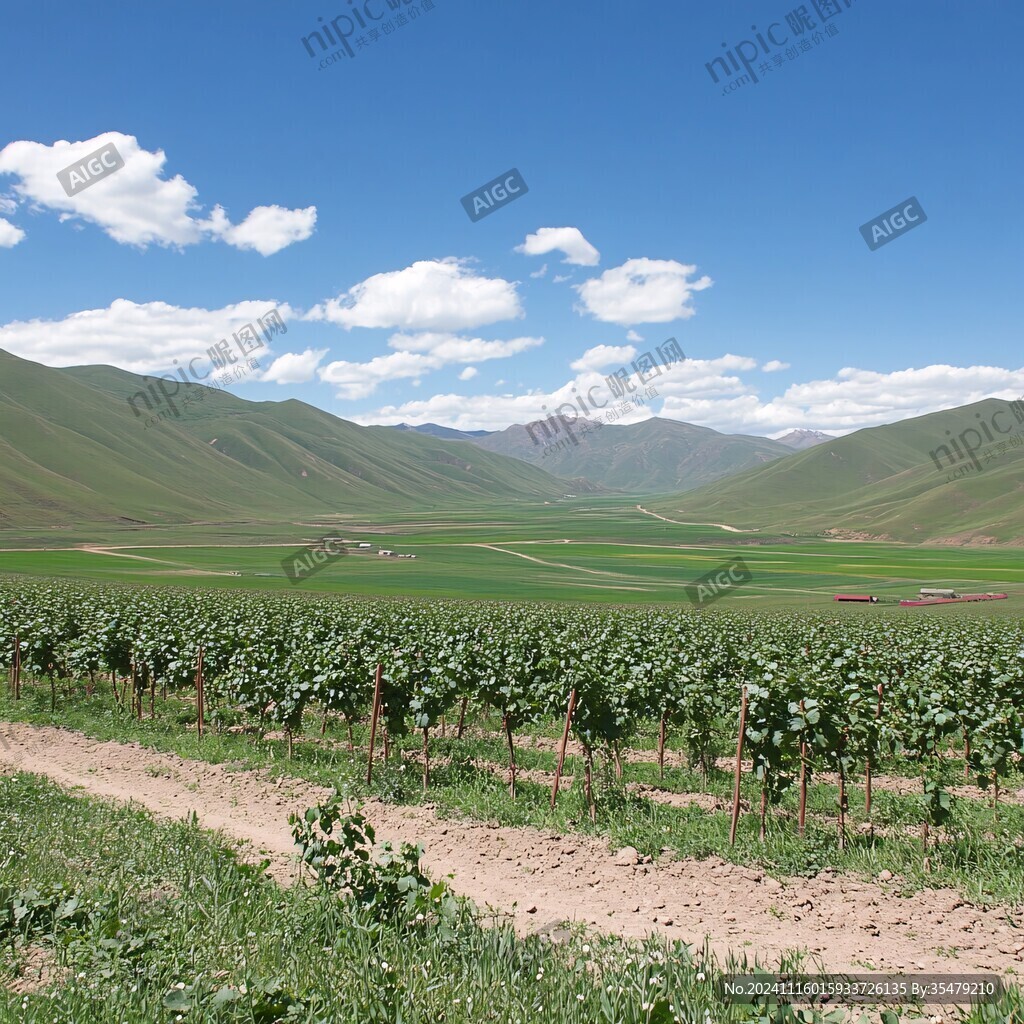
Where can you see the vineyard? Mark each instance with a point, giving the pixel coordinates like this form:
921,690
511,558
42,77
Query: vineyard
795,696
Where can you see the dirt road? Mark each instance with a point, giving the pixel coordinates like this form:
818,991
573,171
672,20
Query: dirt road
542,878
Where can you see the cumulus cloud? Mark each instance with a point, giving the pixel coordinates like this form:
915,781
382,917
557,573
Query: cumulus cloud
633,336
145,337
417,355
540,273
358,380
267,229
450,348
10,235
641,291
295,367
136,205
774,365
714,393
603,355
568,240
852,400
445,295
468,373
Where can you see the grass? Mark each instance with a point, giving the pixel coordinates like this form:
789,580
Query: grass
135,920
615,553
980,854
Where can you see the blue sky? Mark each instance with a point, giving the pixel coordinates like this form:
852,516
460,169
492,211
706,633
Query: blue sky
255,178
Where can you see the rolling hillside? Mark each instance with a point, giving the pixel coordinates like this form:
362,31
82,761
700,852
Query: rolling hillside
73,451
883,482
655,456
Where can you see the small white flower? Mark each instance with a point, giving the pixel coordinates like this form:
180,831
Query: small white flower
700,977
586,948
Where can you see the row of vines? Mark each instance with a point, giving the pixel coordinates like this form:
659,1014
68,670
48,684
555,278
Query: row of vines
797,693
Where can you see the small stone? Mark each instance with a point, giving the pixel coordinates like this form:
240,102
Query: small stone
532,908
885,876
627,856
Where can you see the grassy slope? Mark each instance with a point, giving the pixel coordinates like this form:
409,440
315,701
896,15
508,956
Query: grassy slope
882,481
72,450
655,456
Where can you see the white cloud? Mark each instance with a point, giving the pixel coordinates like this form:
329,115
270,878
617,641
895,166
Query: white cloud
136,205
141,337
603,355
10,235
468,373
540,273
450,348
633,336
267,229
295,367
641,291
358,380
417,355
852,400
774,365
568,240
559,278
429,295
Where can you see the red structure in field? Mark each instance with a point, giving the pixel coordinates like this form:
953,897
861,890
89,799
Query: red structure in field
928,597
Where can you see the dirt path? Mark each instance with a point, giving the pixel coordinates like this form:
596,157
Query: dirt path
678,522
543,878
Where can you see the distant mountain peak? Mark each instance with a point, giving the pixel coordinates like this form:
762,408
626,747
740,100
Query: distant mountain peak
800,439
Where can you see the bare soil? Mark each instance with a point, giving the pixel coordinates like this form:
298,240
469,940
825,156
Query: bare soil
540,879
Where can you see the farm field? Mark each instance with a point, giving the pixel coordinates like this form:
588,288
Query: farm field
582,550
472,701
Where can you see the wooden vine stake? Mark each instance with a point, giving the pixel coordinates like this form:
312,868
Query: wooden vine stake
511,758
618,759
200,695
842,794
462,718
426,759
661,746
739,768
867,772
588,779
803,780
561,751
375,714
16,668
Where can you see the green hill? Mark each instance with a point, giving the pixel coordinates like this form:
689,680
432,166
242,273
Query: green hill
72,450
909,481
655,456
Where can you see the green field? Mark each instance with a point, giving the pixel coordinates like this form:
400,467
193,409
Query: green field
581,549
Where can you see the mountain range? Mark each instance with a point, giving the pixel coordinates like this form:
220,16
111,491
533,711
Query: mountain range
653,456
910,481
73,449
95,444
